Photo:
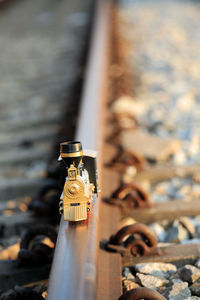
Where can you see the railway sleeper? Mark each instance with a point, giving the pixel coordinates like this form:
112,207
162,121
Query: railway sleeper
134,202
138,244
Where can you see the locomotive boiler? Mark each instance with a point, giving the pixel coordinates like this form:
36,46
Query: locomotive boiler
80,182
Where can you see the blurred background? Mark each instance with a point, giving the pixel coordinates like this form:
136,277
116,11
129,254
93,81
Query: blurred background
155,68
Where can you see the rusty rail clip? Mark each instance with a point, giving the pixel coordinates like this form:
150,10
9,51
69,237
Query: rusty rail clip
129,196
125,158
138,239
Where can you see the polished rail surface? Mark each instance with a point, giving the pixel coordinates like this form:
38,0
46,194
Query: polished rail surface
74,269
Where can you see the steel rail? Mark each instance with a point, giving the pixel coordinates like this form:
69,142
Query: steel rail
74,268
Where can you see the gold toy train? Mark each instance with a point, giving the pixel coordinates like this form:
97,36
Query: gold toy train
80,183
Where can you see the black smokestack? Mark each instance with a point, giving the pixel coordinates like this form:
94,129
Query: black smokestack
71,153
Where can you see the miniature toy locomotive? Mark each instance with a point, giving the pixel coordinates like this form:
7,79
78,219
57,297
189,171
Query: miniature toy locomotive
80,183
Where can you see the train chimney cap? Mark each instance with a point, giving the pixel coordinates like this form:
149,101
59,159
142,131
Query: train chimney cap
70,148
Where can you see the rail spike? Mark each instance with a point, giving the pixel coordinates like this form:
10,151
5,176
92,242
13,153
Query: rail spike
142,293
137,238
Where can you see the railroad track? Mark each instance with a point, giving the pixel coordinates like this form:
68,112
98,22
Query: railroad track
116,254
88,262
102,279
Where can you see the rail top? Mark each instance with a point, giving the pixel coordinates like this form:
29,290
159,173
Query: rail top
74,268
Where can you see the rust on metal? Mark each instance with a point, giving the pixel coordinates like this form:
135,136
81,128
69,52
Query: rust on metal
129,196
122,78
137,247
142,293
125,158
137,238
